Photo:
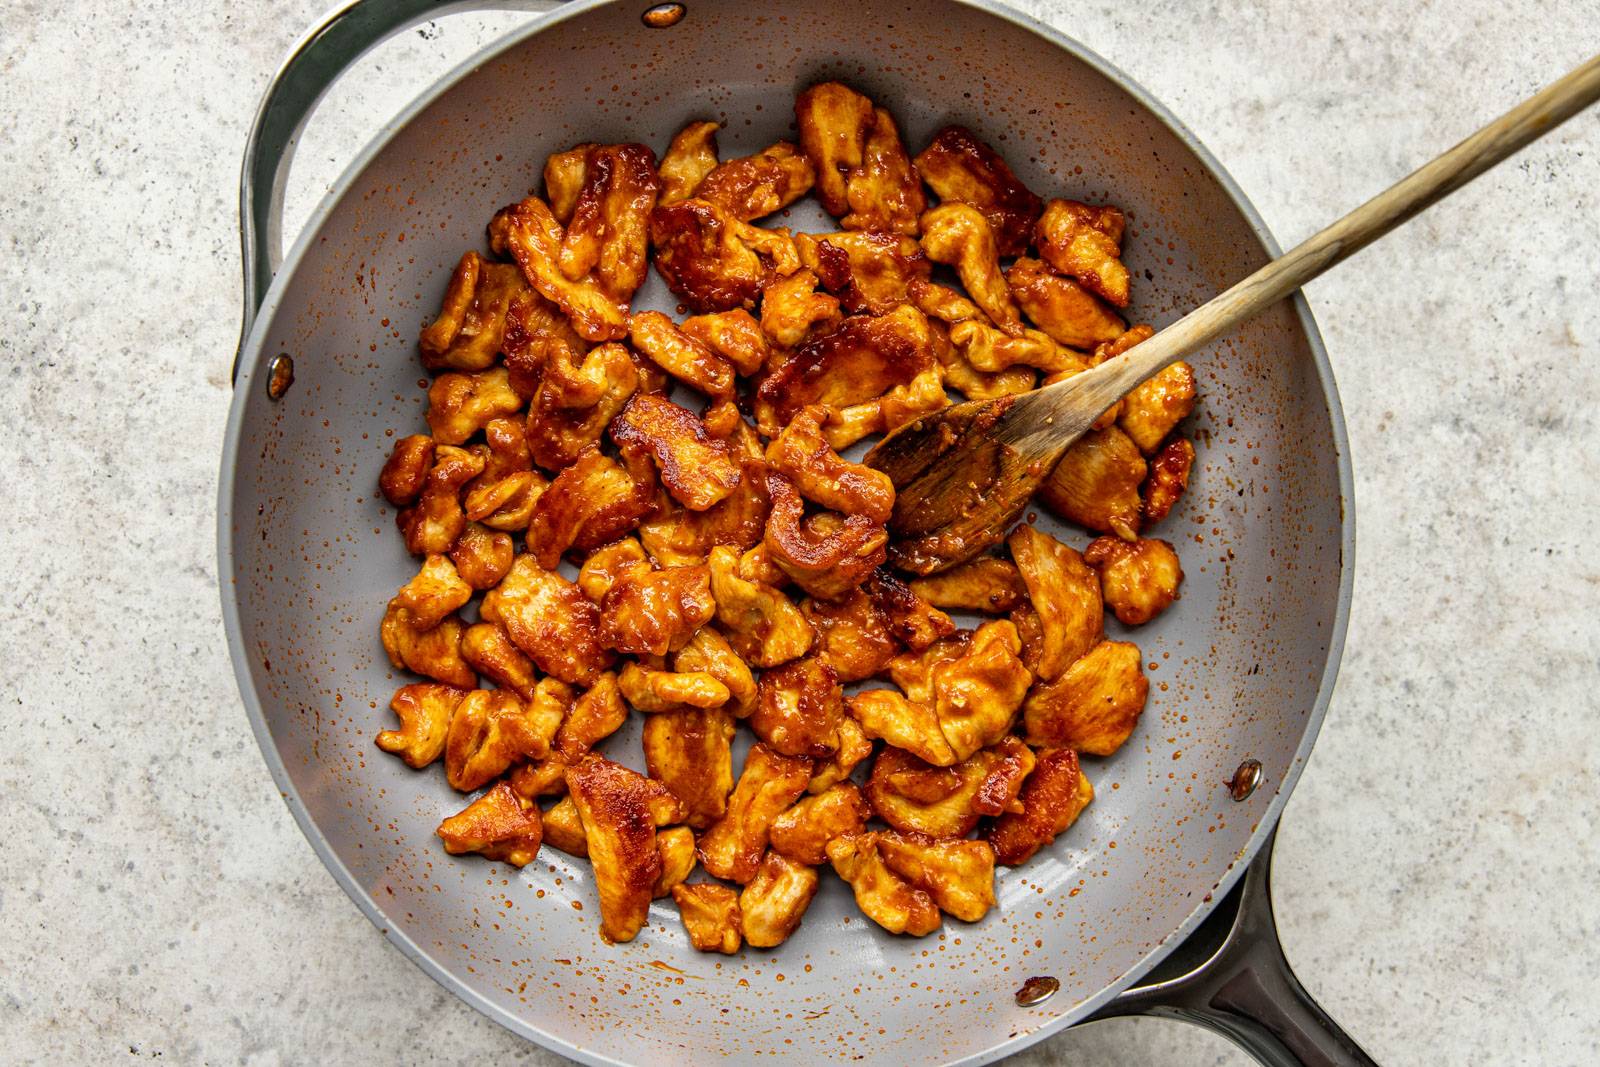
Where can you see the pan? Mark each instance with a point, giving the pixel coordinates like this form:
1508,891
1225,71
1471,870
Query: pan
1157,901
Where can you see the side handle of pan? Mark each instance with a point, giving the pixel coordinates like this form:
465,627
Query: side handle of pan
1231,976
314,63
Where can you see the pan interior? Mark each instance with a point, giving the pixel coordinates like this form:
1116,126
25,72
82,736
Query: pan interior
1234,667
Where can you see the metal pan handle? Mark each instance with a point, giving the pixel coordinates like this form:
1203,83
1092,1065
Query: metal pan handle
313,64
1231,977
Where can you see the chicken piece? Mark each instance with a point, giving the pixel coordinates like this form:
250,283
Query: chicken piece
688,159
708,652
884,896
762,625
529,233
676,536
957,234
976,695
576,403
885,193
913,795
956,372
853,749
1085,243
1061,307
826,555
651,690
801,454
833,121
434,652
1156,406
733,335
492,729
732,847
685,358
650,612
563,826
861,360
913,621
798,708
1110,350
486,647
958,875
1138,580
710,915
676,849
870,271
802,833
1094,706
757,565
758,185
960,167
983,584
537,333
503,496
690,752
1096,484
1064,593
615,805
549,619
1169,477
459,405
773,903
436,591
695,467
852,635
714,261
405,472
900,405
497,826
1053,797
565,174
603,567
482,556
471,324
594,716
989,351
609,231
793,312
906,724
424,710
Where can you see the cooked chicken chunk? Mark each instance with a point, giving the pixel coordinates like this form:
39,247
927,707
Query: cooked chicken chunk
1052,798
853,748
591,503
471,324
758,185
915,796
1096,484
617,807
696,468
434,653
958,875
549,619
1085,243
710,915
691,156
529,232
822,476
798,708
761,623
651,612
1154,408
497,826
869,270
887,899
1139,580
1066,595
1061,307
852,635
689,751
959,166
489,650
802,833
492,729
424,710
1169,477
1094,706
775,900
983,584
733,846
959,235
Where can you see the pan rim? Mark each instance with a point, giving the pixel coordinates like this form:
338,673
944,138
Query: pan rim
254,350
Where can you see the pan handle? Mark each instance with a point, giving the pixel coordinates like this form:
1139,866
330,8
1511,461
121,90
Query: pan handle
1231,977
313,65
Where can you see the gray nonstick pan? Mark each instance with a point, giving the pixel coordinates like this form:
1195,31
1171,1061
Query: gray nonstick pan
1155,901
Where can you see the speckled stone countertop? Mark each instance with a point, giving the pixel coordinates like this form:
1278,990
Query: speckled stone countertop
1437,867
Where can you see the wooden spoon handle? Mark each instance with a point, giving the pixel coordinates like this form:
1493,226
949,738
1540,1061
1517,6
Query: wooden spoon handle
1430,183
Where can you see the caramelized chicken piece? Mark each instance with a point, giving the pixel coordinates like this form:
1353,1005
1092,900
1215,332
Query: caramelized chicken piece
487,648
1096,484
958,166
1061,307
958,875
603,567
792,311
482,556
676,849
459,405
983,584
503,496
576,403
900,405
1139,580
1156,406
434,652
762,625
913,621
615,805
801,454
773,903
906,724
833,121
852,635
825,555
1064,593
710,915
714,261
594,716
688,159
758,185
798,708
1085,243
537,333
405,472
1052,798
689,751
591,503
989,351
608,234
884,896
564,177
650,612
959,235
650,689
854,748
695,467
802,833
677,536
435,592
424,710
913,795
957,373
563,827
1169,477
497,825
685,358
869,270
471,324
733,846
885,192
708,652
551,620
976,696
734,335
860,361
492,729
1094,706
530,234
1110,350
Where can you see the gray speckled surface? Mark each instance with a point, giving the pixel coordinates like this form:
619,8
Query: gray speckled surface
1437,865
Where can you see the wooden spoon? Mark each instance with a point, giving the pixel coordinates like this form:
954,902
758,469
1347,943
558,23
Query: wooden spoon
963,474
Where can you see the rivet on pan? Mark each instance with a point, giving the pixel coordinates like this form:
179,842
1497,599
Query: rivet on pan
280,375
661,16
1245,779
1037,990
